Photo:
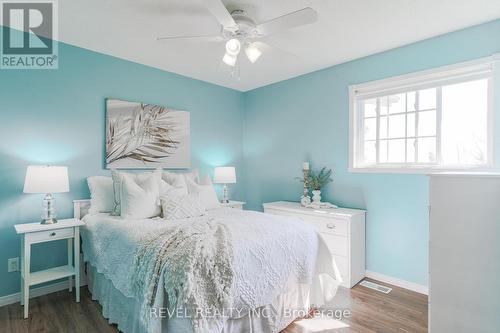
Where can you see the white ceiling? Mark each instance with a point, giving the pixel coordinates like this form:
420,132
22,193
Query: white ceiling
346,30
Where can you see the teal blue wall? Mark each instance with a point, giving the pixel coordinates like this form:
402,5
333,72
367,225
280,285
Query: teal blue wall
306,118
57,117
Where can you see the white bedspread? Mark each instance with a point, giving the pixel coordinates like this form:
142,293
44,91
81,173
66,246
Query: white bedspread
272,254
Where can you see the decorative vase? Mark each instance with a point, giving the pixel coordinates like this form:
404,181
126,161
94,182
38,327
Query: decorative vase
316,196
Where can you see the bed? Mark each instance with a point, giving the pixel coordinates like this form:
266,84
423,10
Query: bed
280,268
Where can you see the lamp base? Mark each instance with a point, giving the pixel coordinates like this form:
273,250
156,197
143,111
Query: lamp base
49,221
225,195
49,210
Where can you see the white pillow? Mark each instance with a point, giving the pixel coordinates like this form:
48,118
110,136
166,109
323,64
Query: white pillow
178,178
117,185
173,180
139,198
181,206
101,194
206,193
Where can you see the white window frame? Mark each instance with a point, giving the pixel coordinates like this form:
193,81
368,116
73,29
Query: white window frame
461,72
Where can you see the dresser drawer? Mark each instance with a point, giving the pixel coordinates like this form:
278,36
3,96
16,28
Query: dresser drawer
43,236
336,244
327,225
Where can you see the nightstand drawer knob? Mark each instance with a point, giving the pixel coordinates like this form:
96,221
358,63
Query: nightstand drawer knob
52,234
330,226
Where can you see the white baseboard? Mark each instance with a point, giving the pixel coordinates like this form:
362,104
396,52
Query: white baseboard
398,282
38,291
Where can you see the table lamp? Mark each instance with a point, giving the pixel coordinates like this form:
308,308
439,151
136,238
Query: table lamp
47,179
225,175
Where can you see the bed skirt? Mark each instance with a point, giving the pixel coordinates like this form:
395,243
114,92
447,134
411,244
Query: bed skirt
125,311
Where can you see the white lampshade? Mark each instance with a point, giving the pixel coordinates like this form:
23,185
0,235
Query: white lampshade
46,179
225,175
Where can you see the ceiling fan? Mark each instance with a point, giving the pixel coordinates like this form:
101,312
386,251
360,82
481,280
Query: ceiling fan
240,31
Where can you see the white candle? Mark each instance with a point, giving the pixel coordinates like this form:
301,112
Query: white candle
305,166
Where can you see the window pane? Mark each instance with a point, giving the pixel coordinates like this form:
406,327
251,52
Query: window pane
396,151
410,126
426,150
370,130
410,150
464,123
383,105
370,108
410,101
383,151
370,152
383,127
397,126
397,103
427,99
427,123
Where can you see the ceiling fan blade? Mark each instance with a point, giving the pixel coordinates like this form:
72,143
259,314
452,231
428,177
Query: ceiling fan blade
217,8
288,21
204,38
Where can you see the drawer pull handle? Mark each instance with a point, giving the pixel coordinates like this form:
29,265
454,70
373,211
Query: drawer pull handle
330,226
52,234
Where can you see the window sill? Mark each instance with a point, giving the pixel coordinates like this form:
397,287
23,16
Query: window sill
425,170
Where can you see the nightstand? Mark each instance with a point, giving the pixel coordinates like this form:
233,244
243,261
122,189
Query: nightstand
33,233
234,204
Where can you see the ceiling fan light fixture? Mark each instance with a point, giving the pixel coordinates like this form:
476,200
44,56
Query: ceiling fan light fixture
229,59
253,53
233,47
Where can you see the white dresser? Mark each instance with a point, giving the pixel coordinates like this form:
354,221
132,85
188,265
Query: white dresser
342,229
464,253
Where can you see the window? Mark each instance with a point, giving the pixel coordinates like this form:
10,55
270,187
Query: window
436,119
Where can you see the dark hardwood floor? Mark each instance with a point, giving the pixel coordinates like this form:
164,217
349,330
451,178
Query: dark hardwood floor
370,311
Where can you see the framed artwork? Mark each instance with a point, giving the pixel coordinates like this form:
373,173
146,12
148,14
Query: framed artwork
140,135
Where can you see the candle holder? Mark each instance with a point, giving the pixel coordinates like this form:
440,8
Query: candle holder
305,200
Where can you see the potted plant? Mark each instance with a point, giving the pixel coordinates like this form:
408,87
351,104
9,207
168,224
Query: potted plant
316,180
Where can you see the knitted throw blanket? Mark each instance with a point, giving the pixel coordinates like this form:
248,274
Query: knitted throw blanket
196,261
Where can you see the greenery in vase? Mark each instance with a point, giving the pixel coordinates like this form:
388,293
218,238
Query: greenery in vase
316,180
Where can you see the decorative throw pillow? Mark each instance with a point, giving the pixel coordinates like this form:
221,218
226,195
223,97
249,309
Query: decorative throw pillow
101,194
171,177
206,193
181,206
139,198
174,180
117,185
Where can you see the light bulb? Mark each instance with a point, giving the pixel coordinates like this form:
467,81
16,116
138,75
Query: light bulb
233,47
253,53
229,59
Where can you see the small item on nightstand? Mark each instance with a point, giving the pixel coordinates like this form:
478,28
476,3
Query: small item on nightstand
47,179
225,175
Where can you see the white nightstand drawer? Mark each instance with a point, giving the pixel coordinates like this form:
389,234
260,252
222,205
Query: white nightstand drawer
336,244
49,235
